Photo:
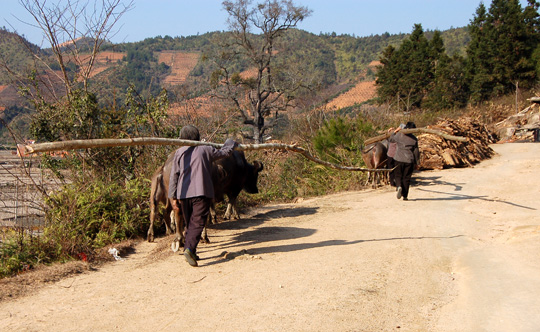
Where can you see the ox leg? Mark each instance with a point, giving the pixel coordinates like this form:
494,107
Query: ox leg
178,222
150,234
212,216
369,177
228,212
180,227
231,212
167,218
204,235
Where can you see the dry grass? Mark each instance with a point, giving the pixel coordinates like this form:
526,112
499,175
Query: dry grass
162,249
28,282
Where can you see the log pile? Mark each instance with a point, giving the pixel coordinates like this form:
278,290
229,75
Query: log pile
520,126
438,153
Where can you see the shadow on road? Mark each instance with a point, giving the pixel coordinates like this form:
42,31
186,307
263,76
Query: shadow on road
451,196
260,218
269,234
426,181
331,243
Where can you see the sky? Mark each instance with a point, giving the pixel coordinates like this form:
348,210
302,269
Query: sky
151,18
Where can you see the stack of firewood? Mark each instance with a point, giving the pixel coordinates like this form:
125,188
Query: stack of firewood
438,153
520,126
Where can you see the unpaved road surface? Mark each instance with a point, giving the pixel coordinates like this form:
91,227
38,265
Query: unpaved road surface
463,254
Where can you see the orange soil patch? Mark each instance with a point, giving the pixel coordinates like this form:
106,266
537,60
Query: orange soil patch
102,58
360,93
3,87
106,57
181,64
249,73
103,61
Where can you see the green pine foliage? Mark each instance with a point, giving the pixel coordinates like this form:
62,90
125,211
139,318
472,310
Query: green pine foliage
408,72
339,139
502,54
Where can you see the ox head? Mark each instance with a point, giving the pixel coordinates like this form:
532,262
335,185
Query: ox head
250,186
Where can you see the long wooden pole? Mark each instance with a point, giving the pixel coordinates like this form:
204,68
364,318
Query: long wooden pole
103,143
116,142
417,130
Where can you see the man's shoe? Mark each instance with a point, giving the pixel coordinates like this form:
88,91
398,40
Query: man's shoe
399,192
405,199
190,257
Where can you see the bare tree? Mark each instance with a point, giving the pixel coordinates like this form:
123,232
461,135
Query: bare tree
255,32
69,25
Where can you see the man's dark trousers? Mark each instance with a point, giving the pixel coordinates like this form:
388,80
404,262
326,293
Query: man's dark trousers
195,211
402,176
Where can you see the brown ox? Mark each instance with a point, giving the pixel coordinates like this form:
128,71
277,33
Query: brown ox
374,156
158,195
230,175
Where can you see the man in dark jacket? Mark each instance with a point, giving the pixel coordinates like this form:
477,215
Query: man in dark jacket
390,164
407,155
191,187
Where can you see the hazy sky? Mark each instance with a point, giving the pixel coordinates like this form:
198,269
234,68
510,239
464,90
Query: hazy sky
151,18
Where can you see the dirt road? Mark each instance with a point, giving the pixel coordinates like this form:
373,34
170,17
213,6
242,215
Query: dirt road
463,254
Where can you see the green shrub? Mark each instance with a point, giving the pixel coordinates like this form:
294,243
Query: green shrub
20,251
84,217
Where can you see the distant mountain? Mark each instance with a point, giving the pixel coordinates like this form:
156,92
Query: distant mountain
340,61
348,55
16,53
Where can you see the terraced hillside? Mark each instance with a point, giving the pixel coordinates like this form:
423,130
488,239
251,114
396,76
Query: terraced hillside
361,92
105,60
181,64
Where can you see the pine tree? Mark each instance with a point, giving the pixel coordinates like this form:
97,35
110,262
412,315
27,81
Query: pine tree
387,77
406,72
532,24
502,44
479,55
449,89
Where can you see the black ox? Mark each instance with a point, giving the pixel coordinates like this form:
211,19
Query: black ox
230,175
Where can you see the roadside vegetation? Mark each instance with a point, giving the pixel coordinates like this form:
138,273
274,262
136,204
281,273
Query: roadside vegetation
103,199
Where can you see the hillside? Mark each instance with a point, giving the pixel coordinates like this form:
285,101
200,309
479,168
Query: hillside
15,52
167,62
